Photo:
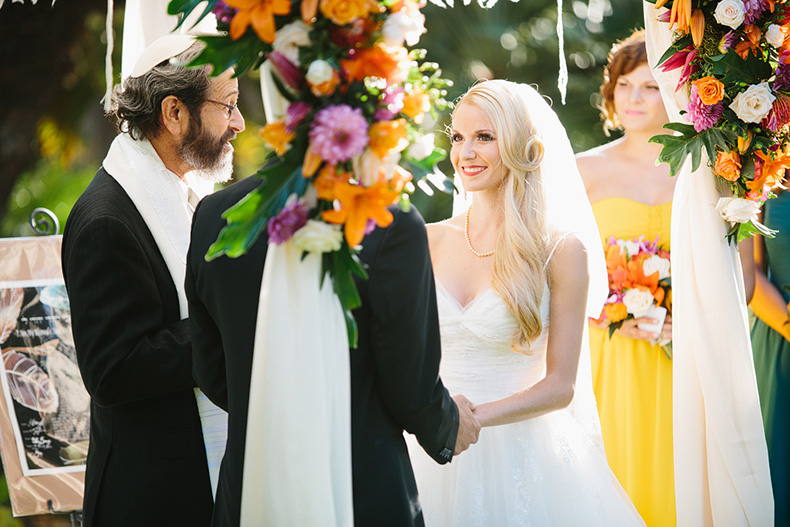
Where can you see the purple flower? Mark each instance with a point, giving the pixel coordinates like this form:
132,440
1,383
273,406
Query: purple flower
338,133
701,115
752,9
223,12
391,104
726,41
289,220
682,59
286,70
782,81
295,114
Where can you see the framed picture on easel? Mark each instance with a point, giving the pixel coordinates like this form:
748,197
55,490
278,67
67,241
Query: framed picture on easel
44,408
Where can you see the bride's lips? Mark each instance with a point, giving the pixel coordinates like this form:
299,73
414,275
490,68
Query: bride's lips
472,170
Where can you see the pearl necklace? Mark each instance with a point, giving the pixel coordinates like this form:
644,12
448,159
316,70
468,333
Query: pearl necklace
468,241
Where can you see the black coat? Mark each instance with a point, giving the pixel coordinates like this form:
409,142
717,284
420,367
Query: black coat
146,461
395,384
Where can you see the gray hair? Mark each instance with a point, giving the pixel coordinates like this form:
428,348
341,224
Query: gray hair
137,105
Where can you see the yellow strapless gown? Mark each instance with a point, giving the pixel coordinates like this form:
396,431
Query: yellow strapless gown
633,382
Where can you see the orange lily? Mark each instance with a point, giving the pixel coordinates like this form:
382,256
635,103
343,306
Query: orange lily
660,3
680,15
744,144
325,181
772,171
309,8
311,162
259,14
387,137
697,26
277,138
358,205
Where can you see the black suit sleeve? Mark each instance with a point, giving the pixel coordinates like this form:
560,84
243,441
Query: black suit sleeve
405,337
124,352
207,352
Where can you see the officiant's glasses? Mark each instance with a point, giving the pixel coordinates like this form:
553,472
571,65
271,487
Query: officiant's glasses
230,107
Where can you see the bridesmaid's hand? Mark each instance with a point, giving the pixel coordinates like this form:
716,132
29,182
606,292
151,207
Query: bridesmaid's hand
631,330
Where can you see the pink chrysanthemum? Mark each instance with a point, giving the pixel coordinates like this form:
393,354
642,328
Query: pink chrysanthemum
295,114
223,12
391,104
701,115
289,220
338,133
752,9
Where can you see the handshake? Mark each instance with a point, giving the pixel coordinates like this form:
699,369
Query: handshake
468,425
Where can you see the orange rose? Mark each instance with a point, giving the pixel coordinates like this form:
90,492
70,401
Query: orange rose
388,63
325,181
615,312
342,12
710,90
415,104
387,137
277,138
728,165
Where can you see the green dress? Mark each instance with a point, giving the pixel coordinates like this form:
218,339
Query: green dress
772,360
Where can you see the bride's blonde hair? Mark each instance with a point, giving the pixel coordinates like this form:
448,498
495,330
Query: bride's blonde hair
522,244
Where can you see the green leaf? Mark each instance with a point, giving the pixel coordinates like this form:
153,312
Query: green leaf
223,53
678,147
732,69
344,265
247,218
674,48
614,326
183,8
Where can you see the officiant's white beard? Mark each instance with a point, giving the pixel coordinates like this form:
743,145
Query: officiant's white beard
219,172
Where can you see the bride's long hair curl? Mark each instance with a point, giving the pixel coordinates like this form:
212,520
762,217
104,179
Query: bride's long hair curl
519,274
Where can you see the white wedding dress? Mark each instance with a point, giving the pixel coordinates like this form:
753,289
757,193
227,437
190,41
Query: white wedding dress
539,472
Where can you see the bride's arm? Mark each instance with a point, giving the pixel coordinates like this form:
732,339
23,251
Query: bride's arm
569,280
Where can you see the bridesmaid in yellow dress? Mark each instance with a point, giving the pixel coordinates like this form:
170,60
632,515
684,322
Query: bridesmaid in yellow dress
631,197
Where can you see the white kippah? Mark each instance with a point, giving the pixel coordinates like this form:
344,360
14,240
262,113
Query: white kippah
161,49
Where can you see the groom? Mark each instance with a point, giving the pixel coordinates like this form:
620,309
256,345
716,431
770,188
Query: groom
395,383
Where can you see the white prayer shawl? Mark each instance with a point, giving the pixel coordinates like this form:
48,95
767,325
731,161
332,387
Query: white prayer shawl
159,197
721,460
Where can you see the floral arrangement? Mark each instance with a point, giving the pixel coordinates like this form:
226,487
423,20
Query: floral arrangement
639,280
734,57
350,143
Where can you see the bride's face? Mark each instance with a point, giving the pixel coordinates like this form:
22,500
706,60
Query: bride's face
637,101
475,151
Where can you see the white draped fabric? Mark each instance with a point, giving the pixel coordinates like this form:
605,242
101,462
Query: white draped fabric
721,460
297,462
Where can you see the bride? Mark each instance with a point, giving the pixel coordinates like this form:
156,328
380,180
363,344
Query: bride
512,285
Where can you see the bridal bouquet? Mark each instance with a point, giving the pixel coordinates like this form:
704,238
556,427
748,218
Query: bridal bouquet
350,143
734,57
639,283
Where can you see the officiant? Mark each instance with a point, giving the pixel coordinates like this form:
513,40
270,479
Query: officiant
124,253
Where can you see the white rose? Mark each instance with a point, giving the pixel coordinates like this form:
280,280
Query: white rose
737,210
754,104
290,38
369,167
656,263
421,148
730,13
319,72
318,237
638,302
630,247
775,36
406,24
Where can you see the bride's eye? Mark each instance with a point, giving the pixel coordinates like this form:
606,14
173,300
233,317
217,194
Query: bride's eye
456,138
485,137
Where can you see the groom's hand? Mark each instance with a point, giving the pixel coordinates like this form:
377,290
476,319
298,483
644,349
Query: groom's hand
468,426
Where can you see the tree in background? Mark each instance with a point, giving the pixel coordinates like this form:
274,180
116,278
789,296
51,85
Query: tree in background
53,135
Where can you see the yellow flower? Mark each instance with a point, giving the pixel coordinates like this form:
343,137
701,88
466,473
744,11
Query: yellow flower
277,138
387,137
259,13
615,312
415,104
342,12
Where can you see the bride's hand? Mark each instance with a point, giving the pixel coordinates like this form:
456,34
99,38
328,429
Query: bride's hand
468,427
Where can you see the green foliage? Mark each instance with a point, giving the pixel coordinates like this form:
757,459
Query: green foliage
184,7
223,53
678,147
737,70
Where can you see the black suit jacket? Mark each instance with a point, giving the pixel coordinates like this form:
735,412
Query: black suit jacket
146,461
395,384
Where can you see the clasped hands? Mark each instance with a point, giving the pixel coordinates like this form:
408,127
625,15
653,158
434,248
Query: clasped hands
468,425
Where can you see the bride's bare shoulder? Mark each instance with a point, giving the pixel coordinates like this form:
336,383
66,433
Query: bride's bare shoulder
439,232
